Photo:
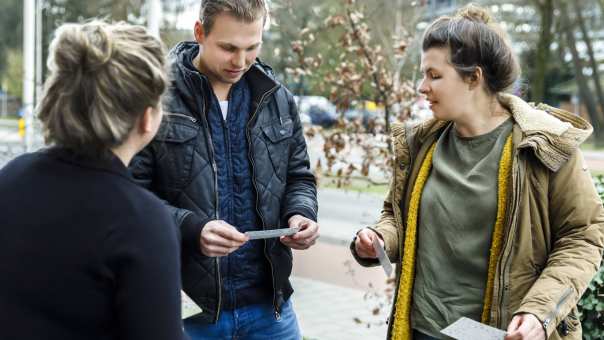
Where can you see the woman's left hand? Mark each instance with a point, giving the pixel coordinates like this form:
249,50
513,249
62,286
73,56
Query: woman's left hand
525,327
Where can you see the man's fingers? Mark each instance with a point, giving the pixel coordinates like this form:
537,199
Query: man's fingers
229,232
213,251
299,245
218,240
313,239
306,231
294,243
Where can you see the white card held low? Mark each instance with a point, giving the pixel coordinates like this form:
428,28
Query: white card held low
468,329
381,255
188,307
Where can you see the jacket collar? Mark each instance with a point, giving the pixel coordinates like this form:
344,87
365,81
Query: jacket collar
107,162
186,77
552,133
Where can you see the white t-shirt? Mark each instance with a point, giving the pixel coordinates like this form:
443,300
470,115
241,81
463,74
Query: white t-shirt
224,107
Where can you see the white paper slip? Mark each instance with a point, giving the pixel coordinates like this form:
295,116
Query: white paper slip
260,234
188,307
381,254
468,329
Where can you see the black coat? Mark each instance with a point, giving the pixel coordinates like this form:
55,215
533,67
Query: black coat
85,253
179,167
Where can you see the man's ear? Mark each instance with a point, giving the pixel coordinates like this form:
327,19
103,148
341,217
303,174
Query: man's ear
199,32
146,122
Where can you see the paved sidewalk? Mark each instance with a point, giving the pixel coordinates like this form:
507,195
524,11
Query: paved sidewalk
342,213
9,150
327,305
328,312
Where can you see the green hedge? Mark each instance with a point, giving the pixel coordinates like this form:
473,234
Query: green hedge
591,305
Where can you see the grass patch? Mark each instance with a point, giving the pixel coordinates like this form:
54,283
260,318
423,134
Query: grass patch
10,117
357,184
590,145
596,173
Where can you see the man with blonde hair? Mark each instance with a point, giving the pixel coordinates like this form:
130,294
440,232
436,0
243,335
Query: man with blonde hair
230,158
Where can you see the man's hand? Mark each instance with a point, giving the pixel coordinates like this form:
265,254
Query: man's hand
219,238
305,237
363,244
525,327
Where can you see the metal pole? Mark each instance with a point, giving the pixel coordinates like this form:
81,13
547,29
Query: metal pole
154,17
4,104
39,50
29,64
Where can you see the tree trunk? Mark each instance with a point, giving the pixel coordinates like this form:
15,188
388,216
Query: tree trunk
584,92
595,74
387,116
119,10
546,10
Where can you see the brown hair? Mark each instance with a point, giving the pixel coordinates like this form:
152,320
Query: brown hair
244,10
102,79
475,40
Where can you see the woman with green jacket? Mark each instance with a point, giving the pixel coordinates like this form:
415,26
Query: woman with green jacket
491,213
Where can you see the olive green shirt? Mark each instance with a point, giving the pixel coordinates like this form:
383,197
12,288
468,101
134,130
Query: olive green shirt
457,214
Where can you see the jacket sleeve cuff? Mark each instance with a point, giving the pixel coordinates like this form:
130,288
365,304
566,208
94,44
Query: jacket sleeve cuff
191,231
308,213
549,327
365,262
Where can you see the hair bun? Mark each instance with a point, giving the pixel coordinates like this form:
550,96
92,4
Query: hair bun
84,47
475,13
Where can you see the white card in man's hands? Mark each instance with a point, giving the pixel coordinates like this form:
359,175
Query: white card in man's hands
270,233
381,255
468,329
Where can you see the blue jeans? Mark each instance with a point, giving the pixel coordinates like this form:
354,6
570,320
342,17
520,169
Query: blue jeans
254,322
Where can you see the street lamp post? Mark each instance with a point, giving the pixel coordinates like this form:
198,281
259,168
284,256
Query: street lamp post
39,51
29,65
4,102
154,17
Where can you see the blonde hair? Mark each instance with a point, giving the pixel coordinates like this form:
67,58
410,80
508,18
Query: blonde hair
102,79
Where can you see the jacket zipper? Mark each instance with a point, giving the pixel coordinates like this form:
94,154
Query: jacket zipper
192,119
216,211
552,315
516,187
251,157
397,206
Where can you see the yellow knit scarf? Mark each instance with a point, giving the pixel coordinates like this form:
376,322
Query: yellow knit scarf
401,329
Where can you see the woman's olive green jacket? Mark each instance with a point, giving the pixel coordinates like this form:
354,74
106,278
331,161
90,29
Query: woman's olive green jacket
553,230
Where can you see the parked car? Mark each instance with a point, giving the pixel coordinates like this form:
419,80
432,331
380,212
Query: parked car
320,110
362,115
420,110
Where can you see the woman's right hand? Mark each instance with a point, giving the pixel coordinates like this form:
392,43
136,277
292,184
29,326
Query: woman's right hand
363,244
